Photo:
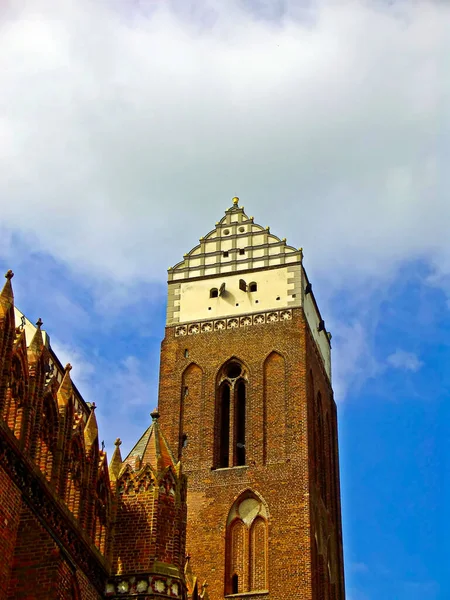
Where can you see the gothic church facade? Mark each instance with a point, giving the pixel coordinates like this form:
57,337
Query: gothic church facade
232,491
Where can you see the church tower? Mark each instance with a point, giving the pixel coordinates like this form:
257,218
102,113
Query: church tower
246,401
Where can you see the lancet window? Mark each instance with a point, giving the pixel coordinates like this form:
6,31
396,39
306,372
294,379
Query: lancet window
75,476
101,514
231,404
47,437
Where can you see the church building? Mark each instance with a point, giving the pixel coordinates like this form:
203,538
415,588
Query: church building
233,489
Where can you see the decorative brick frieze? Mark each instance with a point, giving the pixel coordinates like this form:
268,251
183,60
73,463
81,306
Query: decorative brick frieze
270,317
145,587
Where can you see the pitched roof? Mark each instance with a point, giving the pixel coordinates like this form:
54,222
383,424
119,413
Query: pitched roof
151,449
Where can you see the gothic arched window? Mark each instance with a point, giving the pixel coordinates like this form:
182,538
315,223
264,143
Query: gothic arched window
246,546
240,423
75,477
15,397
230,427
47,436
101,514
224,424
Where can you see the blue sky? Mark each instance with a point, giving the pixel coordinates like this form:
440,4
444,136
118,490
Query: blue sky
126,128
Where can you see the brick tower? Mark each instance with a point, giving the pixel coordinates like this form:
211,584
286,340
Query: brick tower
246,399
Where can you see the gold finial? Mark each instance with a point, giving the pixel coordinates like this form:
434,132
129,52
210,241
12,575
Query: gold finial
169,269
284,240
9,274
154,415
235,201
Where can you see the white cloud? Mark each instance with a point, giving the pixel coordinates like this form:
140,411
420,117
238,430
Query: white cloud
359,567
407,361
125,131
82,373
355,362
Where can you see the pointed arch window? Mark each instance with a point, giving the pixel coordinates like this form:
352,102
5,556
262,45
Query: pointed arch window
74,482
47,436
240,423
246,546
231,417
224,425
15,398
101,514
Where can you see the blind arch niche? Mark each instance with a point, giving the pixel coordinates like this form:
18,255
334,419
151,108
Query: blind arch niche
246,568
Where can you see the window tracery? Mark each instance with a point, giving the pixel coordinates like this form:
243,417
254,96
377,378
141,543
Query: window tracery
230,429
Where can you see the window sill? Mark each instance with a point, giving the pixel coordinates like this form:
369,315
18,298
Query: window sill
248,594
229,469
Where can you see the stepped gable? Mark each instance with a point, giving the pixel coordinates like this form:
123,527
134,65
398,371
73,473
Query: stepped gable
236,243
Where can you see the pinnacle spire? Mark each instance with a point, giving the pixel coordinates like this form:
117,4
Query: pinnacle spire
65,389
116,461
91,429
6,295
152,449
37,343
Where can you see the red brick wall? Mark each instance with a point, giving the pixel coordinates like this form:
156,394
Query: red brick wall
40,570
134,538
325,511
10,506
150,524
277,357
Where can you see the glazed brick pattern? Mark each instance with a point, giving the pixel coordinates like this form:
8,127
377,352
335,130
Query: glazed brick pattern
279,454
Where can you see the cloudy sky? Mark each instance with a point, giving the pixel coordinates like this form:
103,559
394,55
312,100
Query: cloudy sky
126,126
